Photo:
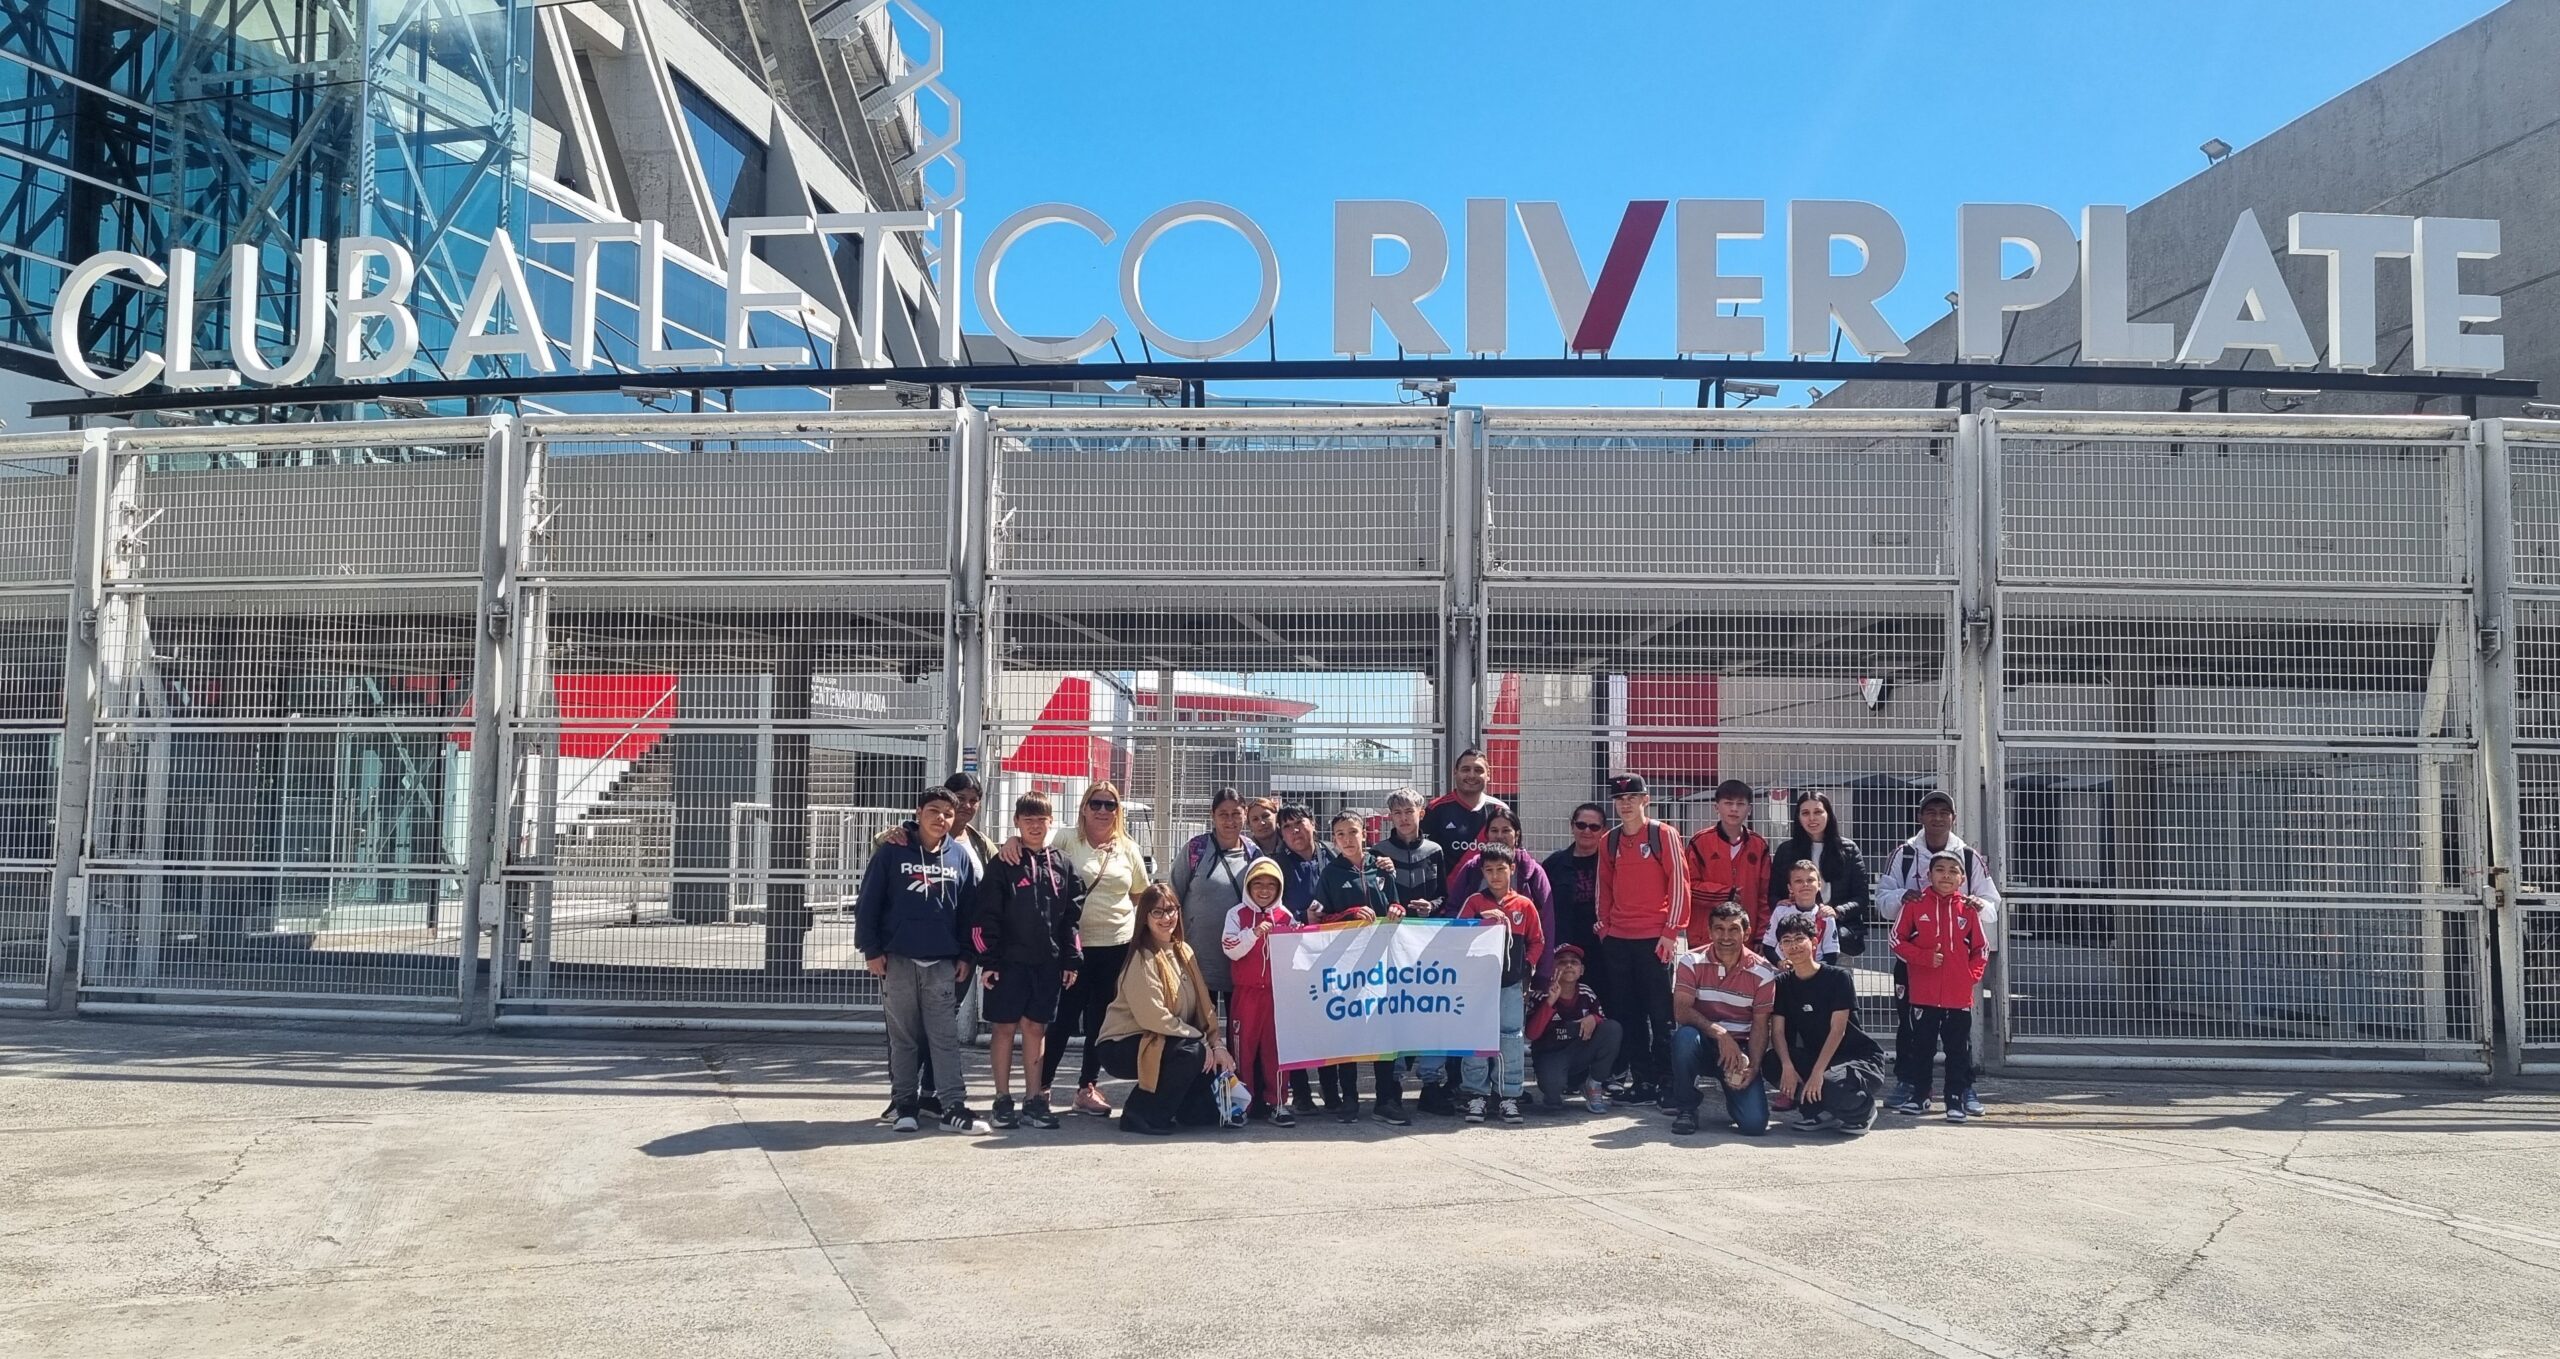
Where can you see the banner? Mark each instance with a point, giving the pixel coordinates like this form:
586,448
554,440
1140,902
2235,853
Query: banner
1428,988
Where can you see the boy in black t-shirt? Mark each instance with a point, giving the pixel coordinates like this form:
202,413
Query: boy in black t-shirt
1823,1059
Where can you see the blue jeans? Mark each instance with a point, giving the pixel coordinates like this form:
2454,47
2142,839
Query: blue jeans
1476,1073
1692,1055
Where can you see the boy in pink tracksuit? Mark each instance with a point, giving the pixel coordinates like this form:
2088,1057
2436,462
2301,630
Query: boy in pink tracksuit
1242,938
1939,937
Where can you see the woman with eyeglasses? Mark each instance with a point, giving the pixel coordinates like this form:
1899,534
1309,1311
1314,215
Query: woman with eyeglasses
1162,1030
1113,871
1573,881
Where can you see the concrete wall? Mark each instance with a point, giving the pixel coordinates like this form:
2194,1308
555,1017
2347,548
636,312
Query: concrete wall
2469,127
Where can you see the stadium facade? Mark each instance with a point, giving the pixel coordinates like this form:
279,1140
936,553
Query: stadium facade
581,712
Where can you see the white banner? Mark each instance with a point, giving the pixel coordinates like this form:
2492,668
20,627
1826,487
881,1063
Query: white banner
1386,990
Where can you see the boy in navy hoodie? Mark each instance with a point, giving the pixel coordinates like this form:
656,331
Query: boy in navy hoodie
907,923
1028,949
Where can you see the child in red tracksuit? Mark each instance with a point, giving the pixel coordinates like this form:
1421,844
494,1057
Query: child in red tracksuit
1256,1043
1939,936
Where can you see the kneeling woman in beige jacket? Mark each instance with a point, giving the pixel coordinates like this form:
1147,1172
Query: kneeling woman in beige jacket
1162,1029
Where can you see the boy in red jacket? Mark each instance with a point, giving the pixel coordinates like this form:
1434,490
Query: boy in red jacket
1499,904
1245,940
1939,937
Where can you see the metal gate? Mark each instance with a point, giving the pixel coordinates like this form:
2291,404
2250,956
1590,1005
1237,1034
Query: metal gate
37,513
2245,710
1703,595
284,658
1185,600
2236,740
2531,665
729,644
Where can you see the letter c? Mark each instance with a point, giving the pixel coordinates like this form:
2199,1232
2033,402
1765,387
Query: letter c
72,303
991,258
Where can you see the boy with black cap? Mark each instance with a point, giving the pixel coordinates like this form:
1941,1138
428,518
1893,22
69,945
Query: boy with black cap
1907,873
1643,901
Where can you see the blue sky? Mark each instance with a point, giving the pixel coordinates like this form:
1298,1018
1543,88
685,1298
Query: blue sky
1279,109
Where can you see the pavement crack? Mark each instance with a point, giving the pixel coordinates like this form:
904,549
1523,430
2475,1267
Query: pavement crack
195,1225
2109,1323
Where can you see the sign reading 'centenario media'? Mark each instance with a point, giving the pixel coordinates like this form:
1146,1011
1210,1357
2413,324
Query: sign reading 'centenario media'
353,299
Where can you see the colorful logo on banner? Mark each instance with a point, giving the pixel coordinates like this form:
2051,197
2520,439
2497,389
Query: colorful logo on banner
1393,989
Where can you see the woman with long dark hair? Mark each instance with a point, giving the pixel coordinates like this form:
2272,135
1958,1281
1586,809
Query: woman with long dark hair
1162,1030
1820,838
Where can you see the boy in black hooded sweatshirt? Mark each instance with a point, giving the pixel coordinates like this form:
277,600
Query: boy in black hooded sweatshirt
1028,948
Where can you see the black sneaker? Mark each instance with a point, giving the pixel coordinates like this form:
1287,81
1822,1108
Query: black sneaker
1641,1094
1347,1112
906,1117
1684,1122
929,1105
1509,1110
1035,1112
1435,1100
1282,1118
1475,1108
958,1119
889,1112
1305,1104
1393,1115
1003,1115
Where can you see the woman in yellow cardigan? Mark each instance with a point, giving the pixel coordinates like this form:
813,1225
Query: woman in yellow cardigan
1162,1029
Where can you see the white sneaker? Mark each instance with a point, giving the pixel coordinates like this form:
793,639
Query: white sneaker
1475,1108
1510,1111
960,1120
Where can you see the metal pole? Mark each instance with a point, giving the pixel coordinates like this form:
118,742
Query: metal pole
966,682
1166,767
1462,668
486,794
2497,681
68,903
1972,528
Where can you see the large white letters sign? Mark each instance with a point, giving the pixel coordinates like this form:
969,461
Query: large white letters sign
1386,990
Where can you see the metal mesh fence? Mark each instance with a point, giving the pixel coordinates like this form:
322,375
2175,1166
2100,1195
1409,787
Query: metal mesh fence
285,652
731,659
1203,496
2236,774
2238,765
2245,512
37,498
1635,495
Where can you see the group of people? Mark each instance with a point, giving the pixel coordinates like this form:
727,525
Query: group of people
1640,966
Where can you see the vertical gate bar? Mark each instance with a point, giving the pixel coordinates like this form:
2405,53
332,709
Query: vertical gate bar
2499,773
966,683
76,765
1167,766
489,707
1973,521
531,702
1462,540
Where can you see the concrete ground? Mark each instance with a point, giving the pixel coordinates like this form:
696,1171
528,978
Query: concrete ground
216,1192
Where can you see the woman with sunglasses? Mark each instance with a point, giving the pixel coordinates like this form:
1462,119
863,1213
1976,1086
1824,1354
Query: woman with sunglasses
1162,1029
1573,880
1113,871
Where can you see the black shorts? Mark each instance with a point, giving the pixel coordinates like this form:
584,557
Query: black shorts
1024,992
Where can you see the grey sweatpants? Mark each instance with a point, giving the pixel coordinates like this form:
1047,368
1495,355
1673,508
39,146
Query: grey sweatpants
922,1010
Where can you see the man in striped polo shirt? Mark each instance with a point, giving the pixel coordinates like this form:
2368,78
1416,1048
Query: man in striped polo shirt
1721,996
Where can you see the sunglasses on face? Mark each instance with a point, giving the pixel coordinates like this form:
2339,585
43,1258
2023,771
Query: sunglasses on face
1588,826
1102,806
